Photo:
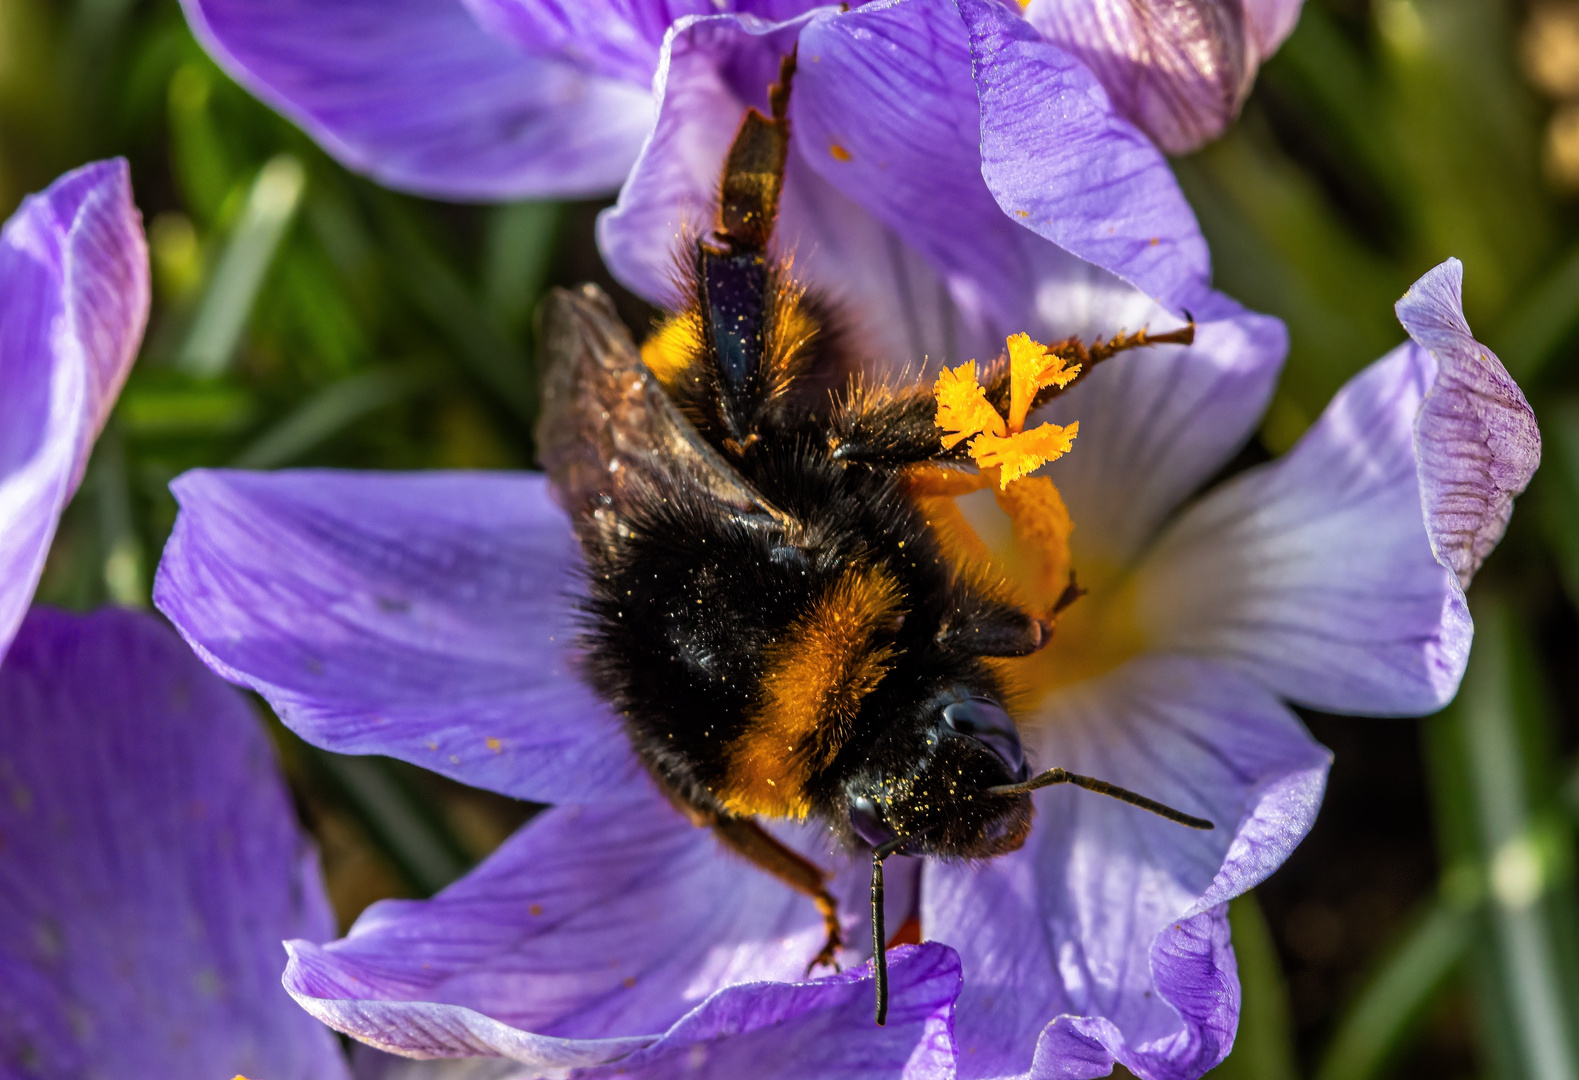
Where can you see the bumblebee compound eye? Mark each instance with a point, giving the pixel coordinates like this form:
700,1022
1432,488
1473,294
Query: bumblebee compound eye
986,722
868,822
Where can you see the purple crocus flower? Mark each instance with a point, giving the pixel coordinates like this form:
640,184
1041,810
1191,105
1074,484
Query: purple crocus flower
430,617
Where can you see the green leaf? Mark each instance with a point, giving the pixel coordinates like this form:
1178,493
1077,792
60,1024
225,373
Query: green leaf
518,244
326,414
222,316
1500,812
1383,1018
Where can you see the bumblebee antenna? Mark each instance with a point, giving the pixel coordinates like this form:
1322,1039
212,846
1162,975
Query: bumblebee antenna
1101,787
879,935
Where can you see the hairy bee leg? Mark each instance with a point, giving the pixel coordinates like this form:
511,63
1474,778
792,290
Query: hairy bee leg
751,841
892,430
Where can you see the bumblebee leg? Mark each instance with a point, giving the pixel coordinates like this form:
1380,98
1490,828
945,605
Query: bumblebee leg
746,838
888,428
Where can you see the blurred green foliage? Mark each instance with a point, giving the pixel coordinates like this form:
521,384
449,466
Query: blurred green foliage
304,316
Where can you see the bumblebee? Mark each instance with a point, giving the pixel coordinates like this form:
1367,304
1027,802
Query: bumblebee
785,628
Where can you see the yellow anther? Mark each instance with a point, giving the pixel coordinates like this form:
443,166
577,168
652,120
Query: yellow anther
965,413
1033,366
1023,452
963,409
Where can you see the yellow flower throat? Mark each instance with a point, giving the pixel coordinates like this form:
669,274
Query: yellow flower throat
1035,562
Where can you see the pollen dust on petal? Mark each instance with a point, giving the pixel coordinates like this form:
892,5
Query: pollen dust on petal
839,152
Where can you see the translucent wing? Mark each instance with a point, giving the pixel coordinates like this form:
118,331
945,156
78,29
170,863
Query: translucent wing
609,436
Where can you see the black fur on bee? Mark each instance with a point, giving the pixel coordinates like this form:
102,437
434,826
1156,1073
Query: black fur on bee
769,610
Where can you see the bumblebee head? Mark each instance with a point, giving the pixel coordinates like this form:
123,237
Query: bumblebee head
931,786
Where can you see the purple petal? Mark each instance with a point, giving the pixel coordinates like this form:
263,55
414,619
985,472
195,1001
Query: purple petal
428,616
1177,69
1475,436
1271,22
418,96
1314,573
589,932
1059,158
1105,935
73,303
151,865
618,38
822,1029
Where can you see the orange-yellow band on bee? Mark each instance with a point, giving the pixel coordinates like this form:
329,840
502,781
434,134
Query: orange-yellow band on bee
673,347
812,686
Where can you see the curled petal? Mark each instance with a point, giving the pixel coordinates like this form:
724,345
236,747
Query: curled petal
430,617
1475,436
1177,69
1314,572
73,302
152,864
588,935
1106,938
418,96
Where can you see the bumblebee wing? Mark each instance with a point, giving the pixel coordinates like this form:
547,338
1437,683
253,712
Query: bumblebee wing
609,436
